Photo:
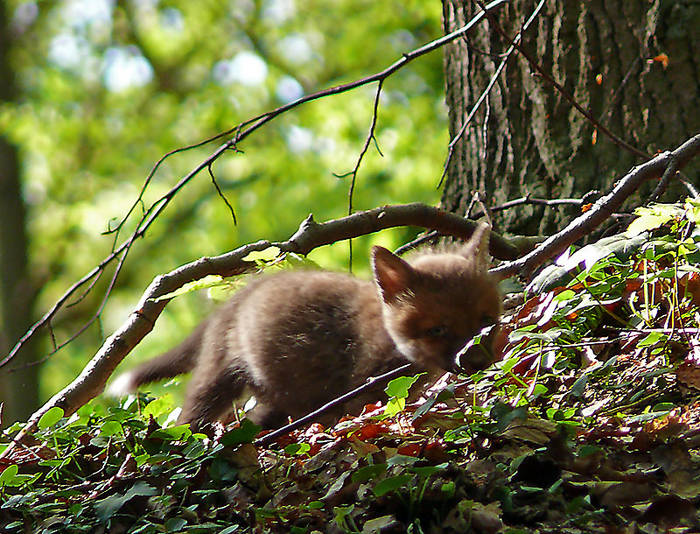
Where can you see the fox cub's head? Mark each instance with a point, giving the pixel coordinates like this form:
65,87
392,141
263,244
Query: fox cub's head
435,305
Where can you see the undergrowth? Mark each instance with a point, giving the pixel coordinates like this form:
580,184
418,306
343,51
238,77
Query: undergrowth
589,423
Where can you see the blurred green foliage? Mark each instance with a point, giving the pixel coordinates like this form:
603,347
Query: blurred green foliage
109,87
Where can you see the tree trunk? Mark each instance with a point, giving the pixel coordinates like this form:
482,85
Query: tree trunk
18,382
633,65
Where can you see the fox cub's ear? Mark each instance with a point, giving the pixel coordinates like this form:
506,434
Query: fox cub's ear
392,274
478,246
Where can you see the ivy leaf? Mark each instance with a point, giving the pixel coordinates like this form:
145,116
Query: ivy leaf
106,508
243,434
50,418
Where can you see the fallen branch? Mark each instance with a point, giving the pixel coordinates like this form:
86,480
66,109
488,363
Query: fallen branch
309,236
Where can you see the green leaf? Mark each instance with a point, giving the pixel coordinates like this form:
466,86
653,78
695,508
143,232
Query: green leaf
111,428
106,508
399,387
337,485
294,261
160,406
50,418
341,512
692,210
653,217
172,433
567,294
297,448
225,290
243,434
223,471
504,415
368,472
402,459
385,523
7,477
427,405
265,255
652,339
208,281
579,386
175,524
428,470
448,488
391,484
394,406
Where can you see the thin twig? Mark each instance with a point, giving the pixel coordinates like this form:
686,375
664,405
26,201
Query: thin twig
223,197
313,416
602,209
670,171
353,174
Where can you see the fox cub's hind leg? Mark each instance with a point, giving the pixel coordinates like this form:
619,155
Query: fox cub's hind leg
210,397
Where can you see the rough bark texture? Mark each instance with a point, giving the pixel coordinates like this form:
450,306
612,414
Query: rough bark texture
18,388
527,139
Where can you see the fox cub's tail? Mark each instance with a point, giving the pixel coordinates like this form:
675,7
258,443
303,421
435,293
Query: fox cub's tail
176,361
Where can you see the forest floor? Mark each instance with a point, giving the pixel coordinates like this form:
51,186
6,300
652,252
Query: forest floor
589,423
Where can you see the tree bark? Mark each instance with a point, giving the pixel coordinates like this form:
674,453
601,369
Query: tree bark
18,384
633,65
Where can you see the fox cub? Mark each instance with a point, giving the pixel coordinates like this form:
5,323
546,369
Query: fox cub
298,339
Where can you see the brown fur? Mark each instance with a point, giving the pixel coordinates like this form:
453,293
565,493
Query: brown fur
298,339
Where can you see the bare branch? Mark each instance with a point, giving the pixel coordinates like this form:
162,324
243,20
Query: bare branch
602,209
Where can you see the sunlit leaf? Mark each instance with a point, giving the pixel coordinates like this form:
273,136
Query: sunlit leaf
161,406
268,254
245,433
399,387
50,418
208,281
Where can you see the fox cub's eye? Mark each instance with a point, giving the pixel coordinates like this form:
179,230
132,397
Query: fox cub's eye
436,331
